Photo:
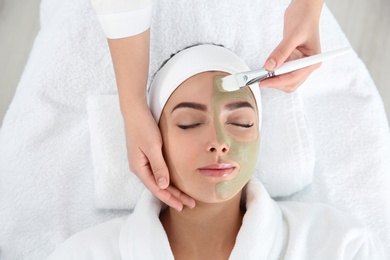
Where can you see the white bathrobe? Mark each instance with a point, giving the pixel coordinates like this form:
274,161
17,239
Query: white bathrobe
270,230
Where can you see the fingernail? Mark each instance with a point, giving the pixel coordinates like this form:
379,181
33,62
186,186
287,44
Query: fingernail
179,208
162,183
270,64
191,205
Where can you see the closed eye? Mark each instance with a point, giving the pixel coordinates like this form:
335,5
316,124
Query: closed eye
242,125
184,127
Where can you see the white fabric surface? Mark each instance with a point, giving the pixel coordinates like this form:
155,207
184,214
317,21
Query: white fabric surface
115,186
291,230
46,172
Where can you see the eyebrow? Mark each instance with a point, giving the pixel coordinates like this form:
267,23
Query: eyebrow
192,105
237,105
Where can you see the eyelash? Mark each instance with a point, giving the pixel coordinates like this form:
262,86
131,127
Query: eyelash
242,125
184,127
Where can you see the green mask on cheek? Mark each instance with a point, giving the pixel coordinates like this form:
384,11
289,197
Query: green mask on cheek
244,153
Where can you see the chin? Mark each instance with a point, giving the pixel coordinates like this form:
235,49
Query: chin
213,197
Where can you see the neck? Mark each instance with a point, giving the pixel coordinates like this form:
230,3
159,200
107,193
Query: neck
206,229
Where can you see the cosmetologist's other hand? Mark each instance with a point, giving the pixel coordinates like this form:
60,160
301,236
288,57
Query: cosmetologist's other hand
300,39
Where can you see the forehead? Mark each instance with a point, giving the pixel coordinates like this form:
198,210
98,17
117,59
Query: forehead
201,88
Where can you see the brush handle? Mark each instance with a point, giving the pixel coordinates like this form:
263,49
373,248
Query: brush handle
290,66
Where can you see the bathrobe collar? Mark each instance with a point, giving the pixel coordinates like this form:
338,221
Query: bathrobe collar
260,237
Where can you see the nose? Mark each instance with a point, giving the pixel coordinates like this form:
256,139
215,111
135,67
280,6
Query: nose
218,148
218,143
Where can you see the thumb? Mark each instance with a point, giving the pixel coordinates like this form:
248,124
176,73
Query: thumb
279,55
159,169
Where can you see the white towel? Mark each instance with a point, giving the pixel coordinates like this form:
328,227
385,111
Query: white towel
46,173
115,186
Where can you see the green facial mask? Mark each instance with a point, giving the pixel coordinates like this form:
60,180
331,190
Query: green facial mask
244,153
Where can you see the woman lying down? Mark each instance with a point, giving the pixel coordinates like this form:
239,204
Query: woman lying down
211,142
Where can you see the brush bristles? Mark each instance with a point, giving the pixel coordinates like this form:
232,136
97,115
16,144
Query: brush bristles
229,83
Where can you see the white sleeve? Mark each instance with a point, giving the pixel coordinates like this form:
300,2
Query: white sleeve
123,18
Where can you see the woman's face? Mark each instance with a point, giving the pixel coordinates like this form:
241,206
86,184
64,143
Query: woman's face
211,138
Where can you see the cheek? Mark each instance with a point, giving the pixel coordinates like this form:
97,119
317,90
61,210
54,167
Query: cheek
245,153
241,134
180,150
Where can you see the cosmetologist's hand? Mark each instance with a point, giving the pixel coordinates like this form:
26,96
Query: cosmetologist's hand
300,39
144,145
130,56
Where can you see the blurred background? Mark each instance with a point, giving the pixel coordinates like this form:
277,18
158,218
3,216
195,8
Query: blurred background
366,24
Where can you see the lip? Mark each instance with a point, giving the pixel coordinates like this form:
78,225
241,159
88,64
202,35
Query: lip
217,170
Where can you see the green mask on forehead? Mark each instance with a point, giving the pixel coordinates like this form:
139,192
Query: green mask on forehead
244,153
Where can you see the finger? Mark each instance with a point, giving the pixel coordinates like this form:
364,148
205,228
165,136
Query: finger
171,196
184,198
158,167
287,82
164,195
291,81
280,54
170,199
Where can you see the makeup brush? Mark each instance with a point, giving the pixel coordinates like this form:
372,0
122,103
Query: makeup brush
239,80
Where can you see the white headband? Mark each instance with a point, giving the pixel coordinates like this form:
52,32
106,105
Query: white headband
190,62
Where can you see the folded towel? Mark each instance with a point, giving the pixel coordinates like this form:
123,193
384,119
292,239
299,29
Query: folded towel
286,159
